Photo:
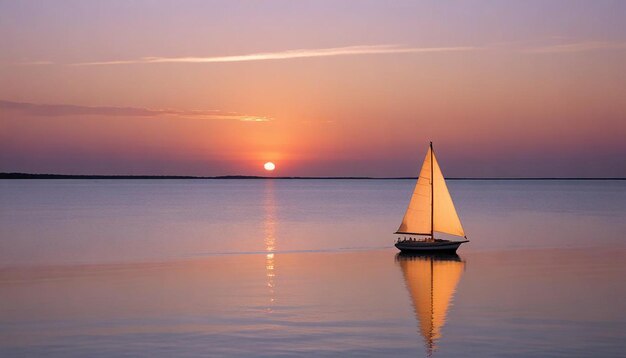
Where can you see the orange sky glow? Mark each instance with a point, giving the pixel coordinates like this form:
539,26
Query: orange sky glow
321,88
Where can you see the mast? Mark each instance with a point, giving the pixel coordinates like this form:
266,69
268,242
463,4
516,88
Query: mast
432,194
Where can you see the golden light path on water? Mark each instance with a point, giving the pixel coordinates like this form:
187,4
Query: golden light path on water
270,238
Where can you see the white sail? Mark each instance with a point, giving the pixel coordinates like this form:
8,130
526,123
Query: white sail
418,219
446,218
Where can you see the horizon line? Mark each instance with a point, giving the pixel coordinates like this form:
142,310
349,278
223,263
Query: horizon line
18,175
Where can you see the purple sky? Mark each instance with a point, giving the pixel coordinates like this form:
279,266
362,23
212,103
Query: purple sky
321,88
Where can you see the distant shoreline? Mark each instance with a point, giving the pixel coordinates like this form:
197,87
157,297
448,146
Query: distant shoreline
114,177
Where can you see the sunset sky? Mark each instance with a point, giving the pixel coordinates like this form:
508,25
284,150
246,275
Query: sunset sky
321,88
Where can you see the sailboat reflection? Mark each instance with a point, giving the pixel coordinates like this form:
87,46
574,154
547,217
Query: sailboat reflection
269,225
431,281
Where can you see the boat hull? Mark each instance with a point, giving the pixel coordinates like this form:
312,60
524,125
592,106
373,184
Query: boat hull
439,246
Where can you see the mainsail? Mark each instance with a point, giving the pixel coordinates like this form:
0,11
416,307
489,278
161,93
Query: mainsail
431,207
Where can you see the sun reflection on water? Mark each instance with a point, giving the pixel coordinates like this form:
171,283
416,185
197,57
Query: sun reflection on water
269,225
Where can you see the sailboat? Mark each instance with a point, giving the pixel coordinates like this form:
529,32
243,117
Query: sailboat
430,209
431,281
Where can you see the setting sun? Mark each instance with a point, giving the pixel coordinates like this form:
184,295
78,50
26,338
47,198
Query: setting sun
269,166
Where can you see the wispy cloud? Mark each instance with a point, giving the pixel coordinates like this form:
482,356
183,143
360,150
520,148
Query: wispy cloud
54,110
574,47
285,55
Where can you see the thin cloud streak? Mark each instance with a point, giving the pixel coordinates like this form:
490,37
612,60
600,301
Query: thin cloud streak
58,110
285,55
578,47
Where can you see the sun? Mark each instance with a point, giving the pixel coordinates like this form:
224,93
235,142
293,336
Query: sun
269,166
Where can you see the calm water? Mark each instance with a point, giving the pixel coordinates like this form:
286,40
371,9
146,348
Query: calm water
271,267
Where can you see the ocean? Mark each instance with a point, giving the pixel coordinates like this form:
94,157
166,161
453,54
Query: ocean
307,267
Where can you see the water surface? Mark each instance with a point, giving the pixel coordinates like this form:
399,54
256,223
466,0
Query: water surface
271,267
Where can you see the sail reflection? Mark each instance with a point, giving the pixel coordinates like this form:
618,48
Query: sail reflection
269,226
431,281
